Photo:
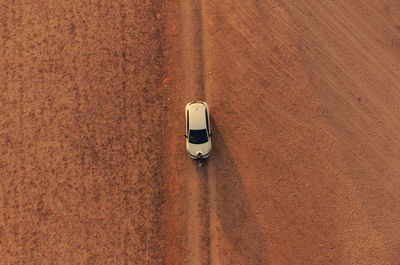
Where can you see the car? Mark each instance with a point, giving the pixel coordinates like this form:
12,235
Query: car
198,130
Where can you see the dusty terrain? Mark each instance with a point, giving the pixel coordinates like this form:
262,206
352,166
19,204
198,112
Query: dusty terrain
80,133
305,113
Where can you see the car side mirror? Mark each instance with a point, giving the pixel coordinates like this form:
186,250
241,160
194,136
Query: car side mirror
185,135
211,134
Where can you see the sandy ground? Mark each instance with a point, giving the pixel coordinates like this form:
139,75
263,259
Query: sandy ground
305,114
80,133
304,103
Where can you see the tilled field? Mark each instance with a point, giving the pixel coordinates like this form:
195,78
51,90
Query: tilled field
305,115
81,133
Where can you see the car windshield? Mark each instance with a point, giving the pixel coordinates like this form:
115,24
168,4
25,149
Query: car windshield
198,136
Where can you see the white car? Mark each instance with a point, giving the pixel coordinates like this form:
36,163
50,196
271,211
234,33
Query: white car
198,132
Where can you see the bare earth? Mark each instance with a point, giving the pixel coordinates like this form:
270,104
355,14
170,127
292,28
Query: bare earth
80,148
305,110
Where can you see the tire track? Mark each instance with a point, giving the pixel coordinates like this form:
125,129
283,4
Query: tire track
193,82
208,170
192,49
198,229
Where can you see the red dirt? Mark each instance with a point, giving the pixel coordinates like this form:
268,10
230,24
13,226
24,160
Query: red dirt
305,110
80,150
304,105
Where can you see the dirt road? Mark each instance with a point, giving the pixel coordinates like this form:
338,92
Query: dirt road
305,114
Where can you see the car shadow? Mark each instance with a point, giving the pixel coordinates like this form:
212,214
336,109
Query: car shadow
234,213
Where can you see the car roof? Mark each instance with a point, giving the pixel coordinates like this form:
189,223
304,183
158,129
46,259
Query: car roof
197,116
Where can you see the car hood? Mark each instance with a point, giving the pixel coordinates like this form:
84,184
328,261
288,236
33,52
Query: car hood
193,149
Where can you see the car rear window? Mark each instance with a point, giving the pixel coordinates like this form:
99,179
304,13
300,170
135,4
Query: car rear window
198,136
